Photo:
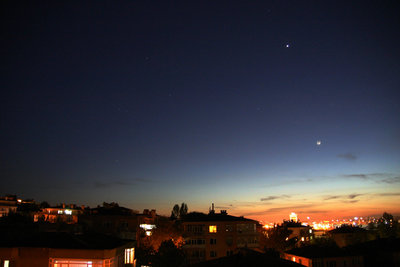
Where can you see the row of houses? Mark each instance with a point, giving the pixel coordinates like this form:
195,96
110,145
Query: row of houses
108,236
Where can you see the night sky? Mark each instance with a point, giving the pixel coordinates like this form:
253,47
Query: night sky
152,103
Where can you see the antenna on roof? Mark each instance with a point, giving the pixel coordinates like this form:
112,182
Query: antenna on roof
212,211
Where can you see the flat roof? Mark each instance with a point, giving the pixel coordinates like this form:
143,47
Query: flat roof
62,240
214,217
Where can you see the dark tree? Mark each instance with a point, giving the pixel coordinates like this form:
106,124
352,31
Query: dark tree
183,210
168,255
387,226
175,212
144,255
277,238
166,230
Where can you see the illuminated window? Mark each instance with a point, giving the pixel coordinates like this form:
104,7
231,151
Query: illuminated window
6,263
147,226
68,212
212,228
78,263
60,212
129,255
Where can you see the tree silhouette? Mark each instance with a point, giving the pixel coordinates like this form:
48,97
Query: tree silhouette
183,210
179,212
168,255
175,212
166,230
277,238
387,226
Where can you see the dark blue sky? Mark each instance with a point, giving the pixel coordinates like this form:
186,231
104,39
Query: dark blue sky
151,103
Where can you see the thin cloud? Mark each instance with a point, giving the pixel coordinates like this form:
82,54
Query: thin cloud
392,180
351,201
353,196
290,208
360,176
366,176
332,197
347,156
274,197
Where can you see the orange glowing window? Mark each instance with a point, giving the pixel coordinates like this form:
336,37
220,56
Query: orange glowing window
212,228
129,255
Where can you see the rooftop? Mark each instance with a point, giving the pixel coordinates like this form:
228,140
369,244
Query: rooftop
313,252
249,258
62,240
212,217
345,229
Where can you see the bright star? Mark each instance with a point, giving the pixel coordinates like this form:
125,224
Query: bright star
318,143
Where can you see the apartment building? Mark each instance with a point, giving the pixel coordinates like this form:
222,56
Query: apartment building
215,235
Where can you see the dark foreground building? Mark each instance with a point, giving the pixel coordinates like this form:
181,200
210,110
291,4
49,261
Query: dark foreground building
247,258
379,252
66,250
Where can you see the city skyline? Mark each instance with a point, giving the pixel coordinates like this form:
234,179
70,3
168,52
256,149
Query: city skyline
263,108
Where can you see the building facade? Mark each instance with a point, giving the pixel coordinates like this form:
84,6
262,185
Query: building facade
64,250
215,235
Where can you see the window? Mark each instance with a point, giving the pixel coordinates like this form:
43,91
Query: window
79,263
213,241
129,255
229,253
212,228
198,254
6,263
213,254
195,242
195,228
246,228
229,228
